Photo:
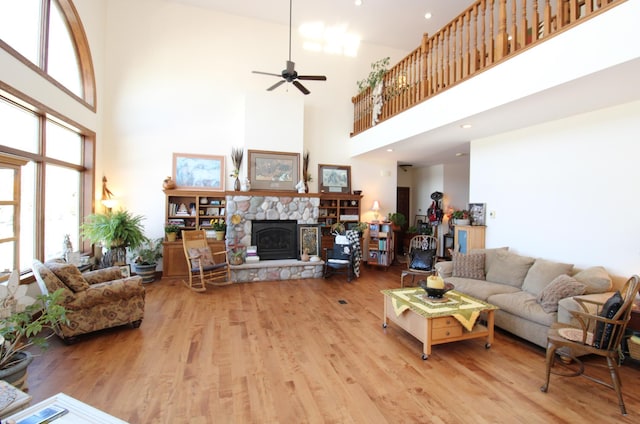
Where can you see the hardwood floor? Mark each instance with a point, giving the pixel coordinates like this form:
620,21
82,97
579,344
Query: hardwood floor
291,352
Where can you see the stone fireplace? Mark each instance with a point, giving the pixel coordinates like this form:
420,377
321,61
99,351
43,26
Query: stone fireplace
275,209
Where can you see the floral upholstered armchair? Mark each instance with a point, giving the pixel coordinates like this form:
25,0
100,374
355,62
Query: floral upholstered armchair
94,300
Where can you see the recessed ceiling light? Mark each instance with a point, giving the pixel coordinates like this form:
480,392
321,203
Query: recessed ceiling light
460,154
427,15
358,2
389,150
465,126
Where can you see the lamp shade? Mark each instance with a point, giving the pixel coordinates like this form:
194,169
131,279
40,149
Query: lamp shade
375,206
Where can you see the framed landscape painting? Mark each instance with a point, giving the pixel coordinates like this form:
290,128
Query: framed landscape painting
273,170
199,172
334,179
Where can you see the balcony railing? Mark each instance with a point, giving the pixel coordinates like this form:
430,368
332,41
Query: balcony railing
487,33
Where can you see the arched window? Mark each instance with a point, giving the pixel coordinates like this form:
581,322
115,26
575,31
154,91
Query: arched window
56,189
48,36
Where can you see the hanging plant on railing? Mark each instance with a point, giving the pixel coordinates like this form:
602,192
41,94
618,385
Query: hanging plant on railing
378,71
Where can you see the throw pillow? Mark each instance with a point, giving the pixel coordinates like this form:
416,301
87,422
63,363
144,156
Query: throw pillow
489,256
422,260
562,286
204,255
468,266
70,275
541,273
509,268
609,310
596,279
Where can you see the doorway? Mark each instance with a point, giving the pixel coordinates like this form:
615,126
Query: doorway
403,195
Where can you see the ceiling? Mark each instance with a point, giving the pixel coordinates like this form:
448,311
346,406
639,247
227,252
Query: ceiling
400,24
394,23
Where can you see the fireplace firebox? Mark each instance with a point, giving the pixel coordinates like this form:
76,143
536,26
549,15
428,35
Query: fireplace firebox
275,239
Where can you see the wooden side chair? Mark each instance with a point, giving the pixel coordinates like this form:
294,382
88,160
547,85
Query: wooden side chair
599,333
423,253
205,267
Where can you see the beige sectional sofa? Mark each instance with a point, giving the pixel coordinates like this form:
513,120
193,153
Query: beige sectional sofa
532,293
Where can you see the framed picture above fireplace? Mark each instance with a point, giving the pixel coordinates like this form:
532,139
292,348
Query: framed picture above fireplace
273,170
334,179
309,238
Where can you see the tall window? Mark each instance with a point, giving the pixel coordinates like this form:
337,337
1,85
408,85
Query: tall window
57,181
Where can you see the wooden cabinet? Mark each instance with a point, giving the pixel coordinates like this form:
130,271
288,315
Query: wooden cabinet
380,244
194,210
190,210
174,263
467,237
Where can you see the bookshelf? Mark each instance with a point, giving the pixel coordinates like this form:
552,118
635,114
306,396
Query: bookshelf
380,245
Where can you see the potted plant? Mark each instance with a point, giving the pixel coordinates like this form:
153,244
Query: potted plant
236,256
361,227
378,71
171,230
22,321
116,231
461,217
145,259
220,228
397,219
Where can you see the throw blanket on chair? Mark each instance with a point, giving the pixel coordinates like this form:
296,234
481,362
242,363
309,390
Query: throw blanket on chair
354,240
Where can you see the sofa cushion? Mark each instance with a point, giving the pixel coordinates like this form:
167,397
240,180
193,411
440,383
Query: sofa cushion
542,273
479,289
422,259
50,280
609,310
468,266
596,279
509,268
562,286
523,304
489,256
70,275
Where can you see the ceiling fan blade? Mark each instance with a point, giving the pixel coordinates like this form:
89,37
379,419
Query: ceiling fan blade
267,73
290,66
312,77
276,85
301,87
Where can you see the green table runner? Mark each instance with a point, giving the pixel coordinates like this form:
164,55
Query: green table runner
464,308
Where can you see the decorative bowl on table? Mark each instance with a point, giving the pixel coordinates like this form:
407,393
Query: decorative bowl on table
435,292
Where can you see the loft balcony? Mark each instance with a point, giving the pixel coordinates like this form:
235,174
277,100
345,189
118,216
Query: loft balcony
476,49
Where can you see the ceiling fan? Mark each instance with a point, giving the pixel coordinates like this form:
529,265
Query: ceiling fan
289,74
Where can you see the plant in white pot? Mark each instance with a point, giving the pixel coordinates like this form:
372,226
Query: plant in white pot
24,322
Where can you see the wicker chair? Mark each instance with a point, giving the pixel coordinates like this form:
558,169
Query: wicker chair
423,252
205,267
599,333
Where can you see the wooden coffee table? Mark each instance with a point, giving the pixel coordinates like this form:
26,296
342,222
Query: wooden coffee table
436,322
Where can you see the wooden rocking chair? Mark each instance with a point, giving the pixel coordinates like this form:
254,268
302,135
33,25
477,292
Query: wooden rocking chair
423,253
205,267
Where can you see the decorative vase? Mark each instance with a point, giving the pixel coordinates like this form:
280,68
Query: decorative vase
236,260
305,256
236,184
306,187
246,185
168,184
171,236
461,222
16,374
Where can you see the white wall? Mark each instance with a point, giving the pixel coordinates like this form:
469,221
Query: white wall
565,190
179,80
